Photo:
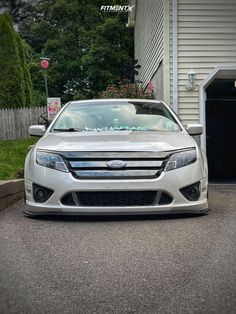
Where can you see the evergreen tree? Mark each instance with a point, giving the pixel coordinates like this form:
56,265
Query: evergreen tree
15,80
11,78
27,83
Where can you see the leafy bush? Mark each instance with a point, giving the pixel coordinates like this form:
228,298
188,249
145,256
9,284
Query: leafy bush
125,91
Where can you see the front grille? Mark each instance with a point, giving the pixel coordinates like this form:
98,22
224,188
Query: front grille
117,198
96,165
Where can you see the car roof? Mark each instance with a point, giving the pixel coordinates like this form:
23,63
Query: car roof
116,100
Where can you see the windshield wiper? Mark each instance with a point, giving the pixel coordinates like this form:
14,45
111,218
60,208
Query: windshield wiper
69,130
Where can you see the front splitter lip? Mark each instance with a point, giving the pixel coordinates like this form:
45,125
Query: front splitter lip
173,212
197,208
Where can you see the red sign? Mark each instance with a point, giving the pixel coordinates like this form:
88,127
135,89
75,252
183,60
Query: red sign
44,64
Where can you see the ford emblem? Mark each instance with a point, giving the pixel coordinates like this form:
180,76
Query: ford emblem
116,164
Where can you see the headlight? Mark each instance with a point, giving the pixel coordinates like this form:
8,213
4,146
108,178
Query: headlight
51,160
181,159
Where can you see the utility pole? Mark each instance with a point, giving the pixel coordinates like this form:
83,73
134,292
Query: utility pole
44,65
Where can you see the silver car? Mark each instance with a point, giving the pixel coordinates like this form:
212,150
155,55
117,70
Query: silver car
116,156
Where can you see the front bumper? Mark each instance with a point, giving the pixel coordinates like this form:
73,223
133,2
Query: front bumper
171,182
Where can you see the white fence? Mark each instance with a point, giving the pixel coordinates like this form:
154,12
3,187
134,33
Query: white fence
14,123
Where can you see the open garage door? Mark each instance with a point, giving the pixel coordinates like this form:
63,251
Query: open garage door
221,130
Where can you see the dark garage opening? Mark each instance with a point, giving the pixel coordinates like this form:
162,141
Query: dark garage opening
221,130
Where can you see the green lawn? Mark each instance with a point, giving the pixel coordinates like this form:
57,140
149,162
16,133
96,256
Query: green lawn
12,156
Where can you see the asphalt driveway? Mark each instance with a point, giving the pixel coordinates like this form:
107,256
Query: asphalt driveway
120,265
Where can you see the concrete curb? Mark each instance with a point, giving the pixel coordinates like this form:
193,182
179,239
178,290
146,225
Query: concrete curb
10,192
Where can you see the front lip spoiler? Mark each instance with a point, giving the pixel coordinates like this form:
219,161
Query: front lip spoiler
84,214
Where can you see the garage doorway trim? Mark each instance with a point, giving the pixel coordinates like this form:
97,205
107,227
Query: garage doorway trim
219,72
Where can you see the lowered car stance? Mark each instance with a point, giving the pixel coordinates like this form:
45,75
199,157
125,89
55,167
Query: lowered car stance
116,156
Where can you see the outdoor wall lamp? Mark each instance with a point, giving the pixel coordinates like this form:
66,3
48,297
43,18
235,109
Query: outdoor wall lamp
190,84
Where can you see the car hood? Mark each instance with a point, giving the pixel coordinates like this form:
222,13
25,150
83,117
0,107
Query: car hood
116,141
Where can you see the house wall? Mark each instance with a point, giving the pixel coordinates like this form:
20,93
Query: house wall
149,43
206,39
158,83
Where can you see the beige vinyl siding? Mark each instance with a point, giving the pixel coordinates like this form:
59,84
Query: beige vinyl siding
206,39
149,37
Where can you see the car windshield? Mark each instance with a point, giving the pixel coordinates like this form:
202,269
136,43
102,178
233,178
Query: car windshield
115,116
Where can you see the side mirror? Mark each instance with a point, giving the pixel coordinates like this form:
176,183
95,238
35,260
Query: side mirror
37,130
194,129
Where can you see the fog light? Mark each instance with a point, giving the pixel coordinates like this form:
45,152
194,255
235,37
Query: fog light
41,194
191,192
